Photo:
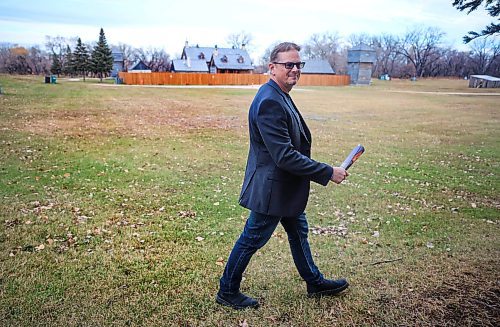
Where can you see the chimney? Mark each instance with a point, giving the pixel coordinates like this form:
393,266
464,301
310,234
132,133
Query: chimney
243,46
216,52
186,44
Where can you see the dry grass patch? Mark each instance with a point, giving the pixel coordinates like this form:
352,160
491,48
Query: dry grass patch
119,206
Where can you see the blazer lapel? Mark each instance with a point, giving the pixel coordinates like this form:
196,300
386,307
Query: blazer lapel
295,114
291,107
303,126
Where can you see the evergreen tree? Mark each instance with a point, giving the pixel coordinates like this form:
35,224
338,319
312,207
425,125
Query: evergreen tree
493,9
102,59
68,64
81,61
56,67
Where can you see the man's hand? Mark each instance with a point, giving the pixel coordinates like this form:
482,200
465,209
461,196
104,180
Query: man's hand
339,174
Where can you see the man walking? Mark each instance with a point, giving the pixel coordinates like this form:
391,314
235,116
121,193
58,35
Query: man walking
277,182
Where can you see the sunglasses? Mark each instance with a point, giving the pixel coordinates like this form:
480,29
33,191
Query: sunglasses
289,65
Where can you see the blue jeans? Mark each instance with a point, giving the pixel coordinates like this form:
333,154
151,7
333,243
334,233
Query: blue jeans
258,230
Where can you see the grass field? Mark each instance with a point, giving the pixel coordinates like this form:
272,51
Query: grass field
119,206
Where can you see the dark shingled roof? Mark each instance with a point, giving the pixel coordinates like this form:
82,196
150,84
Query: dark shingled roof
226,58
181,65
195,53
317,66
138,65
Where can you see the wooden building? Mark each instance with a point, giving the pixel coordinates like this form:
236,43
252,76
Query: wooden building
360,60
483,81
118,62
139,67
189,66
317,66
230,60
218,60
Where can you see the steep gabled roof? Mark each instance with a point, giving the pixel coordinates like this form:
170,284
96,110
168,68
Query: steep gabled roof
226,58
317,66
138,65
191,65
197,53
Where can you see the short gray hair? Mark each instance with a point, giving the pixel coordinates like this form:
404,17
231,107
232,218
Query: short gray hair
282,47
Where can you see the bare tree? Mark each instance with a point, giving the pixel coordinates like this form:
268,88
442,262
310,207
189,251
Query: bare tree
419,47
484,54
361,38
56,45
239,40
156,59
324,46
38,61
388,57
159,60
451,63
4,56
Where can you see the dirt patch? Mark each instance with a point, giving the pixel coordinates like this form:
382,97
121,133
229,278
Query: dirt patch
129,117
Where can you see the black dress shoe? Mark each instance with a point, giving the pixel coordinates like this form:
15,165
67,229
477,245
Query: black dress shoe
236,300
327,287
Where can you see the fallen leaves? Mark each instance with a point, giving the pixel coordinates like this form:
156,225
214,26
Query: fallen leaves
340,230
40,247
187,214
12,223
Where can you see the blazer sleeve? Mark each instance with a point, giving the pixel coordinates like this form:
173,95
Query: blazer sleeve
273,126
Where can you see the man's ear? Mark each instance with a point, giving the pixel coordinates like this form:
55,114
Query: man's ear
271,68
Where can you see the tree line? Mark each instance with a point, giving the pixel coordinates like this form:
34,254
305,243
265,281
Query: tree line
83,60
419,52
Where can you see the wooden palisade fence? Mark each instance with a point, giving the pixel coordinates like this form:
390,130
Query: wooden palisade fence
166,78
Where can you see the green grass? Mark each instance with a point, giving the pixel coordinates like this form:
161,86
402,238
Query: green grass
119,203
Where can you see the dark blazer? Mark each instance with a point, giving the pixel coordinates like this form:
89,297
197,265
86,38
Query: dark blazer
279,168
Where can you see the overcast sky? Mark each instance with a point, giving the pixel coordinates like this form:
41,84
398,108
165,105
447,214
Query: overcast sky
168,24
